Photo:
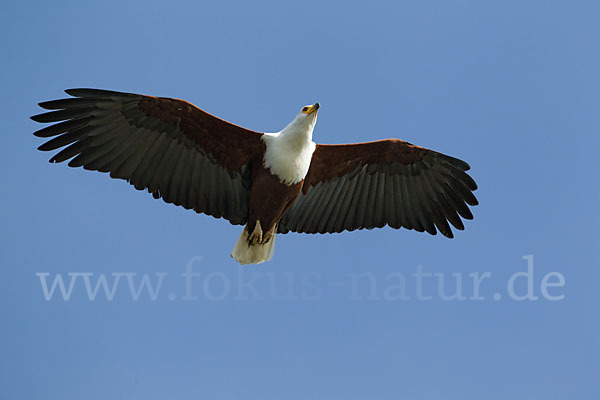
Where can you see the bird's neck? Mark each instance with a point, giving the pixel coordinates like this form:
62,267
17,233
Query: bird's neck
296,135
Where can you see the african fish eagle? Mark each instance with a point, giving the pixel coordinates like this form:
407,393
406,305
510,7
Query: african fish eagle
270,182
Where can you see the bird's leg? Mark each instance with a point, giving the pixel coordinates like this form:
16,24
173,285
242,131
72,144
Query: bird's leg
256,236
270,233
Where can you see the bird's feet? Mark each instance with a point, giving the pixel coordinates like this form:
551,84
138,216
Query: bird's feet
256,236
269,235
259,237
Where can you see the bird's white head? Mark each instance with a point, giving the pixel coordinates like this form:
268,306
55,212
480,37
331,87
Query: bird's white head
309,111
305,120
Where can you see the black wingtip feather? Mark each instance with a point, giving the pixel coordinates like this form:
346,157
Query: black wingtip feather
96,93
460,164
38,117
46,104
52,104
77,92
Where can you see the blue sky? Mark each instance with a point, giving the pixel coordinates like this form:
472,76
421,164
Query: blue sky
511,87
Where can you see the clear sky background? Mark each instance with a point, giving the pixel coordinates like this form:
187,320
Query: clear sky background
511,87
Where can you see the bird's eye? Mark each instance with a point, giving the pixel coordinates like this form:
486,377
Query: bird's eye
305,109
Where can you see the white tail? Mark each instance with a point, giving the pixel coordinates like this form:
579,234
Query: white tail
253,254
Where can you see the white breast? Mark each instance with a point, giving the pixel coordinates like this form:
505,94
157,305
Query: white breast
288,155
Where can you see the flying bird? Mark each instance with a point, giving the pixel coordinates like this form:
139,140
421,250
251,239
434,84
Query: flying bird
269,182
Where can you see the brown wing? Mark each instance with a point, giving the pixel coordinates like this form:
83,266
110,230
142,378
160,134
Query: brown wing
388,182
169,147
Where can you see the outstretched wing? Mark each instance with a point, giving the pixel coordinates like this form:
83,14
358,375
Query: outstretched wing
388,182
170,147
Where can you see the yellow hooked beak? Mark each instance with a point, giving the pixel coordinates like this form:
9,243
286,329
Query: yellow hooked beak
311,109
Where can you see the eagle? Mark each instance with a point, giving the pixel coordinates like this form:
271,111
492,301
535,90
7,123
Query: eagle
271,183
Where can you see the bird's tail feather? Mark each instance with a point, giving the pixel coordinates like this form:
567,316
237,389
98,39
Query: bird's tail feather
252,254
